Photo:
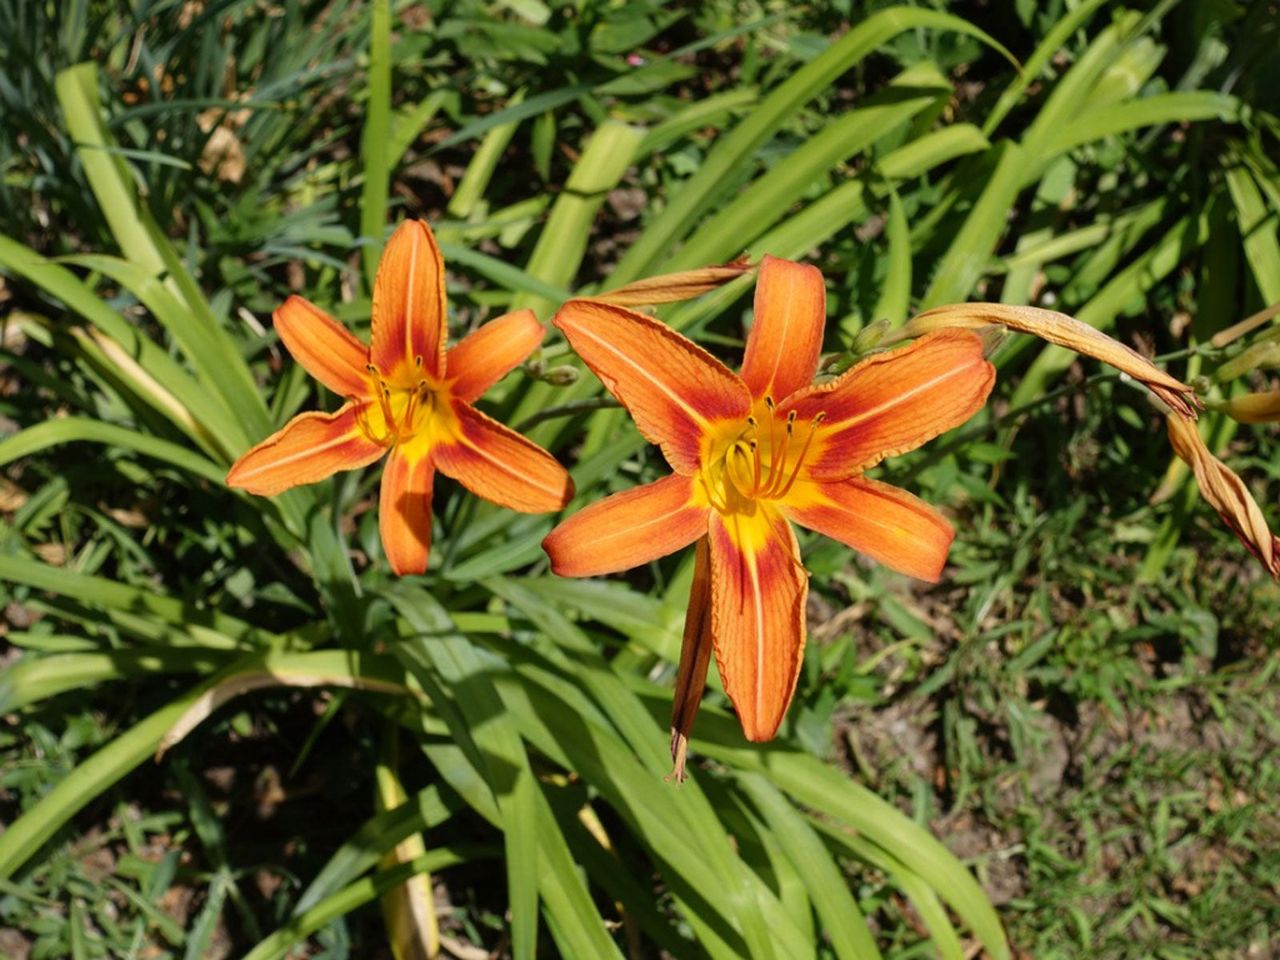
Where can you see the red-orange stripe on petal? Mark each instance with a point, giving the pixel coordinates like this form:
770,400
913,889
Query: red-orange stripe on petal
326,349
675,391
893,402
628,528
500,465
786,336
885,522
757,615
489,353
404,510
308,448
408,304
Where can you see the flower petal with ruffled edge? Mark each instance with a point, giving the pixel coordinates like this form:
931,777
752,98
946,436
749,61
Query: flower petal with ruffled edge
891,403
676,392
758,591
404,509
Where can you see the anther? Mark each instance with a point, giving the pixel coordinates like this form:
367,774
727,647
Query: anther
417,361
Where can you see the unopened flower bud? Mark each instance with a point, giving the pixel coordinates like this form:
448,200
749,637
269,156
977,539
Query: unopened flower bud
561,376
536,368
870,336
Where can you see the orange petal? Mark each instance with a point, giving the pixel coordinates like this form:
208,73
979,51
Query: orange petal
676,391
758,590
310,447
627,529
500,465
489,353
885,522
786,336
404,510
408,303
893,402
326,349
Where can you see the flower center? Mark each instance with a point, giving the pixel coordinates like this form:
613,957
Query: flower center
762,462
404,405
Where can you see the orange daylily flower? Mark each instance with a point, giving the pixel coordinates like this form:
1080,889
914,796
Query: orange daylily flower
753,453
407,395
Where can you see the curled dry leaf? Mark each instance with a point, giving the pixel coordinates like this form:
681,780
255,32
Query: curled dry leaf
1220,485
1066,332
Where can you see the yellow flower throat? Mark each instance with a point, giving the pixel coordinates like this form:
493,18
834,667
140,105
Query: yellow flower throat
405,405
760,462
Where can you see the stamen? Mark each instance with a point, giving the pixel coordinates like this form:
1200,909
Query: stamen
813,428
362,421
755,476
778,469
384,400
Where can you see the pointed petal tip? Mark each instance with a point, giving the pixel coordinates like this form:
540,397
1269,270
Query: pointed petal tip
760,729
